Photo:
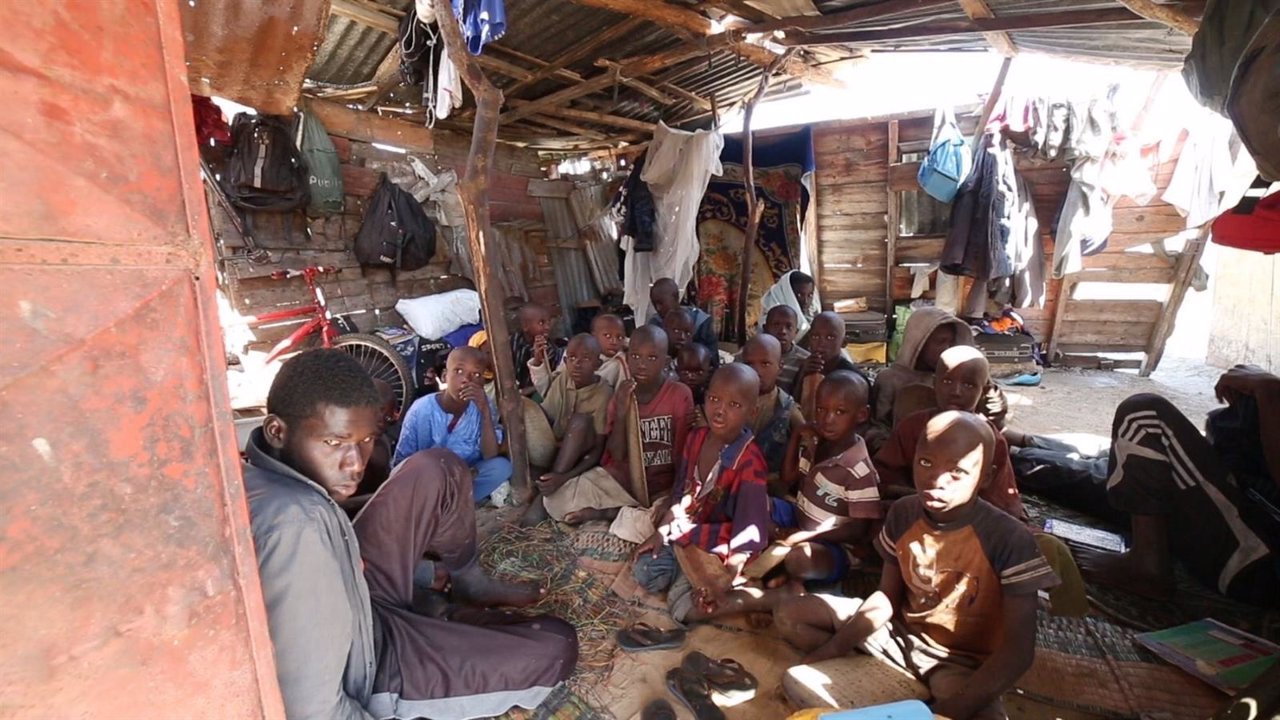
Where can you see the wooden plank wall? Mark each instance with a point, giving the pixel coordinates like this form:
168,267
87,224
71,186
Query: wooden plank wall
369,293
853,177
1246,305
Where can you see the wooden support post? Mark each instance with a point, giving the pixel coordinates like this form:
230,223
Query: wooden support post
1064,299
754,207
474,194
891,247
1188,260
989,106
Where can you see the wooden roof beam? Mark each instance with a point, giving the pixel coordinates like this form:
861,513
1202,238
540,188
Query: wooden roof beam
579,52
1174,17
978,10
366,15
568,127
846,17
683,20
1070,18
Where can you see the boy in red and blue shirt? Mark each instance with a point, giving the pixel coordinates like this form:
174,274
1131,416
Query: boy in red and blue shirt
720,502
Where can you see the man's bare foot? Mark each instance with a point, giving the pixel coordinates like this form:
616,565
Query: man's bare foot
578,517
473,587
1130,572
535,514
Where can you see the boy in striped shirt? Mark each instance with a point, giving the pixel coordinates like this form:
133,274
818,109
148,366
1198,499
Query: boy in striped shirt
957,601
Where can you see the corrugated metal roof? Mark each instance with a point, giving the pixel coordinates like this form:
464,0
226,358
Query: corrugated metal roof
252,51
546,29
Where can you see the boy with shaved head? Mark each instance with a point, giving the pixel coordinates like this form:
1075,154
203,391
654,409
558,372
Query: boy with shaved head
826,340
960,380
777,413
720,502
665,297
836,511
957,600
783,323
460,418
664,407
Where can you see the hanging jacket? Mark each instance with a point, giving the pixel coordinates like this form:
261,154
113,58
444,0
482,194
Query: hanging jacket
483,21
968,239
639,214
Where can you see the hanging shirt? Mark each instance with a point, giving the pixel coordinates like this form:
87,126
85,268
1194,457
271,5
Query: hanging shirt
448,88
677,168
483,21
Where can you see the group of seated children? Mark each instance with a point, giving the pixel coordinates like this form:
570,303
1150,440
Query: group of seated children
747,484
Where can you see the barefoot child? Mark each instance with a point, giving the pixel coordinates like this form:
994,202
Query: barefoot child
837,500
963,372
574,410
777,415
782,322
719,506
837,509
957,600
665,407
460,418
533,339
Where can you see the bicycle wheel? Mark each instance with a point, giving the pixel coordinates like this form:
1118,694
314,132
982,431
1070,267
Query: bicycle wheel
381,361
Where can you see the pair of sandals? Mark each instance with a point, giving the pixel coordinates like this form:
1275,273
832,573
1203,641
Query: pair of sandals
697,680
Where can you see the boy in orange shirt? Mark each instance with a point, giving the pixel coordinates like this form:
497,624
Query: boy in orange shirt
957,600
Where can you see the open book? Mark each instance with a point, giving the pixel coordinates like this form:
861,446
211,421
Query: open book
1222,656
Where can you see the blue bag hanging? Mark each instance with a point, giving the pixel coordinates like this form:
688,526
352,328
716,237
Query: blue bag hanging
949,161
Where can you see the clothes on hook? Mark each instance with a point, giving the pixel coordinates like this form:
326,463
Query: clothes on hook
483,21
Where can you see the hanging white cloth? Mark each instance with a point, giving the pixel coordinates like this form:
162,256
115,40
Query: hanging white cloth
677,168
1211,175
782,294
448,88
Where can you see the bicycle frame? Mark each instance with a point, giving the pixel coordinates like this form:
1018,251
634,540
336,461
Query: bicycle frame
321,321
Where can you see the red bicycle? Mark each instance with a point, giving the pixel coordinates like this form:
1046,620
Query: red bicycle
374,354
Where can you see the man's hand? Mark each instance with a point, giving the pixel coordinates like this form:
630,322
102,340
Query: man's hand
539,351
812,365
551,482
1244,381
650,546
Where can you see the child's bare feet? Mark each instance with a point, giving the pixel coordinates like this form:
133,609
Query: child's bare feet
535,514
1148,577
473,587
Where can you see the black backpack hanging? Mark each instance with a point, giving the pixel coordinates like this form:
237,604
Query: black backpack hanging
395,231
265,171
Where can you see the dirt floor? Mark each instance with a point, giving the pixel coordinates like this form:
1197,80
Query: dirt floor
1084,401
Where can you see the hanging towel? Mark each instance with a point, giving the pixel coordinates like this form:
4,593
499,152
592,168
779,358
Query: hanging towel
448,88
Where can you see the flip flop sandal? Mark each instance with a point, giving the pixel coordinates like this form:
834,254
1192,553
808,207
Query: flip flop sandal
643,637
692,690
658,710
725,677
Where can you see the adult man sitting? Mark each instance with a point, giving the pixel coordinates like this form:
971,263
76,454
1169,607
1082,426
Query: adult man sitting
340,594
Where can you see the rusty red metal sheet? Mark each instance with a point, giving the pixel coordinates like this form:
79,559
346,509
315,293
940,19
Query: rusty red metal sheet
254,52
126,564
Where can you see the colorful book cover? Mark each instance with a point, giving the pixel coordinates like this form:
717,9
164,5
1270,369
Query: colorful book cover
1222,656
